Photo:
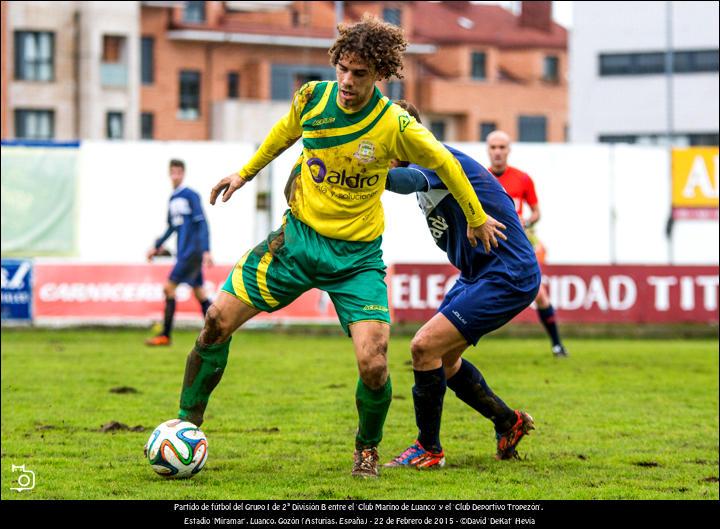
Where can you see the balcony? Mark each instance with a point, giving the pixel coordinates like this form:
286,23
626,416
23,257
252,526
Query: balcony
113,75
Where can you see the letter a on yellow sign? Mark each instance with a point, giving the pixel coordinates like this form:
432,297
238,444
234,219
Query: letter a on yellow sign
695,177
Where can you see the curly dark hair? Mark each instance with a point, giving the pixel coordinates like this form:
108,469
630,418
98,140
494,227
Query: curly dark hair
377,43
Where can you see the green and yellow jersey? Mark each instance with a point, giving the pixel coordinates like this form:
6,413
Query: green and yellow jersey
345,161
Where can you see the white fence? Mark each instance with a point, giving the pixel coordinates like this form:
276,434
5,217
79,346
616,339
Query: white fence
600,204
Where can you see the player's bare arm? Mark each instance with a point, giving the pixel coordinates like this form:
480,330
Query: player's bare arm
534,216
488,233
227,186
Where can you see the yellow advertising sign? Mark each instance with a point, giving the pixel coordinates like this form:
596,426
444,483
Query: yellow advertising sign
695,177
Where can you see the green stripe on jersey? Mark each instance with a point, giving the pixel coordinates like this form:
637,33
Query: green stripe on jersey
333,117
315,98
334,141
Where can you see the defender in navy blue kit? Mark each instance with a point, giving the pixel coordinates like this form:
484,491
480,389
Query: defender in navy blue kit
494,286
187,219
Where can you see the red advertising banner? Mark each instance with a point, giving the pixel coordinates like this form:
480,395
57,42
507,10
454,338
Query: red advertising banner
601,294
695,213
127,293
604,294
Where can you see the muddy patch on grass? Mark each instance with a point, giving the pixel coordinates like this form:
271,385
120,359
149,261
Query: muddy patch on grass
711,479
646,464
273,429
42,427
123,390
115,426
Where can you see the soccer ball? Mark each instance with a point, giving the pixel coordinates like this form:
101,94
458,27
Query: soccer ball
177,449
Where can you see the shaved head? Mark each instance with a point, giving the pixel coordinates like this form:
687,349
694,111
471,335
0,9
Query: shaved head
498,146
498,135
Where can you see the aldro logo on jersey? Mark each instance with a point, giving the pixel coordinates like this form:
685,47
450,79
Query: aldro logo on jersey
438,226
320,174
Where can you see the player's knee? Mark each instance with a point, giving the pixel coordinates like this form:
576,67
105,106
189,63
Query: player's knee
374,373
420,349
373,365
169,291
214,331
542,300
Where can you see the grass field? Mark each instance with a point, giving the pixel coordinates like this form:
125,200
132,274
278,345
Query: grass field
620,419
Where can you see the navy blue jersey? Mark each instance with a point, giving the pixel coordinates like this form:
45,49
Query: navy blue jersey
186,217
513,258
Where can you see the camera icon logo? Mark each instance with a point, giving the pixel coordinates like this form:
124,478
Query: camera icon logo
26,479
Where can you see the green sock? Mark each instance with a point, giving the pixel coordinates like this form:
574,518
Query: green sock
203,371
372,405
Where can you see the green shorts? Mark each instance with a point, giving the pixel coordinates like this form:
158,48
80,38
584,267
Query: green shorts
295,259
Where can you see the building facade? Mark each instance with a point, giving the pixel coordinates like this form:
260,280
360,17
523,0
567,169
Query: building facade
70,70
225,71
622,89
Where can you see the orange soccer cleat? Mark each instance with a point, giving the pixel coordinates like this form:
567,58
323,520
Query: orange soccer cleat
158,340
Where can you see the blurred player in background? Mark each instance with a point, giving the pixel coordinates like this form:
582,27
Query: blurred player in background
186,217
331,237
521,189
494,286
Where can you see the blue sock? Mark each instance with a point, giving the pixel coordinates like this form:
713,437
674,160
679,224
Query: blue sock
471,388
547,317
428,393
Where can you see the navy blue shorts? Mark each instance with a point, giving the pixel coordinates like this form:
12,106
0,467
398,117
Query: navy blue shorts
188,271
483,304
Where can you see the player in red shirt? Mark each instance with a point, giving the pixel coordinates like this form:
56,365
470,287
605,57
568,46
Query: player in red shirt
521,189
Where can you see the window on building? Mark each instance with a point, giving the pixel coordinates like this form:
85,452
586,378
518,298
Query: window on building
486,127
147,126
233,85
194,12
34,56
34,124
113,69
285,79
114,129
617,64
392,15
550,69
189,95
395,90
704,139
147,60
532,128
695,61
300,79
478,65
649,63
687,61
660,138
617,138
113,49
438,129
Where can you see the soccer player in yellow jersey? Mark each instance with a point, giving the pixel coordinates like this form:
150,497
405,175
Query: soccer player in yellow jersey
330,238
